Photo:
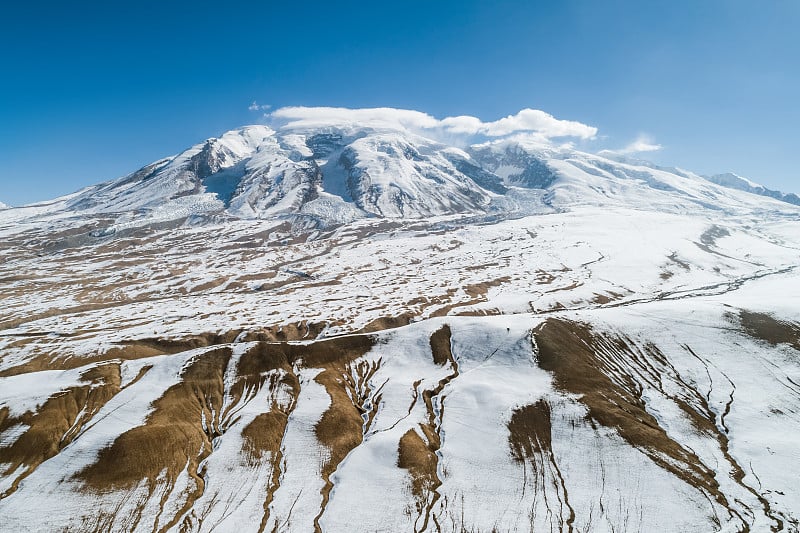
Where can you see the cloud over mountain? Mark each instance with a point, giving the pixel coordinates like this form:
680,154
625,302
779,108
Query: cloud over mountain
642,143
532,122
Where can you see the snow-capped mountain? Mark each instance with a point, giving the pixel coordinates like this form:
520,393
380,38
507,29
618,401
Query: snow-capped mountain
735,181
349,327
338,173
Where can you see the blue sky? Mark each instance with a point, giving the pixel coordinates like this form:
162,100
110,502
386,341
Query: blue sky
91,92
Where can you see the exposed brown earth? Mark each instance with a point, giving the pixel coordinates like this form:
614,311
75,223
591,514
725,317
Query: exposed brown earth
609,373
416,456
476,291
608,297
387,322
530,439
55,311
440,346
570,351
157,346
254,371
419,456
341,427
530,431
479,290
148,347
264,435
57,422
770,329
174,434
134,349
303,330
544,278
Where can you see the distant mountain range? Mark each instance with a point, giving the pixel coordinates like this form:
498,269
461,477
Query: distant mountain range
743,184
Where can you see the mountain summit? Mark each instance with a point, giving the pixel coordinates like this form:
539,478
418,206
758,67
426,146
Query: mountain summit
321,171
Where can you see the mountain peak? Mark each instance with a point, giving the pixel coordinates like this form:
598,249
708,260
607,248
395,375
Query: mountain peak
327,168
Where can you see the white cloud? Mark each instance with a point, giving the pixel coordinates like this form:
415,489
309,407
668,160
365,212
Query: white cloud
530,122
255,106
534,120
643,143
302,117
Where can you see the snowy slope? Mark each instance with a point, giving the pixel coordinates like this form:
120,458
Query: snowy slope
355,328
735,181
686,319
332,174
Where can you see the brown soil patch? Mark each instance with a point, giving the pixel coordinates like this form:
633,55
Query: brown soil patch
419,458
139,348
297,331
255,363
265,432
530,431
261,276
209,285
341,427
570,350
770,329
608,297
264,435
481,267
57,422
173,435
440,346
530,439
134,349
49,313
387,322
574,285
476,291
148,347
544,278
479,290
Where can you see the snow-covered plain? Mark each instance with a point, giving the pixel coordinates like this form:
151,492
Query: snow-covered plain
365,330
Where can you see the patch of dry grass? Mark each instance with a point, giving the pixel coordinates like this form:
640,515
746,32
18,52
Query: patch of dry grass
173,435
569,350
440,346
770,329
57,422
419,458
530,431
